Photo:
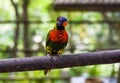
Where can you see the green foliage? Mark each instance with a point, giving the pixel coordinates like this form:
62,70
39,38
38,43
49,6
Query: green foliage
87,37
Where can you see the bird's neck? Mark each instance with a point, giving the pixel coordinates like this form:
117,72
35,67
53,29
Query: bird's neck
60,27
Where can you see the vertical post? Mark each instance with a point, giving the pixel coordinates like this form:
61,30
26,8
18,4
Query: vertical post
118,74
25,27
119,45
71,44
111,41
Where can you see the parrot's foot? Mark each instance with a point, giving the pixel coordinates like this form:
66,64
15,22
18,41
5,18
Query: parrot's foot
60,52
49,56
61,57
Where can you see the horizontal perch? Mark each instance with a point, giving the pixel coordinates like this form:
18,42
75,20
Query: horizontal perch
40,63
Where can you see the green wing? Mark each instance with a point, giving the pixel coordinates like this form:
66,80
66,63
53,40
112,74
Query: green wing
47,38
48,48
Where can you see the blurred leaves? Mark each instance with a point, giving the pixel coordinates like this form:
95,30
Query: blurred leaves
84,37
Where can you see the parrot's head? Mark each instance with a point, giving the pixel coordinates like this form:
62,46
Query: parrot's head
61,23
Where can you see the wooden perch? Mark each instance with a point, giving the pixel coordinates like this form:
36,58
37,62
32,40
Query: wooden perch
40,63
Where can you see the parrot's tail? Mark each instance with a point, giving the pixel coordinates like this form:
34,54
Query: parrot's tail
46,71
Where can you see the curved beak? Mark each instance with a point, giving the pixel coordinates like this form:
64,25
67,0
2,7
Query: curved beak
65,24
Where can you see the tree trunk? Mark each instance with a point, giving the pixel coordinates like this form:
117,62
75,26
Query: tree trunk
17,28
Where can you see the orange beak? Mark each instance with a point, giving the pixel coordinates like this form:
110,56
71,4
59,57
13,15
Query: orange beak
64,24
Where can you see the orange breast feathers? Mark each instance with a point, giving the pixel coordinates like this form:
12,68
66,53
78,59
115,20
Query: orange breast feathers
59,36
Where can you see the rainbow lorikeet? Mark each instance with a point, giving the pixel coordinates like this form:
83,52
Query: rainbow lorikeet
57,39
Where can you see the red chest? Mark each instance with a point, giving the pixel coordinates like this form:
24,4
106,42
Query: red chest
59,36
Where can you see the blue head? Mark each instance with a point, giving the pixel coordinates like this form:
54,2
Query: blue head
61,22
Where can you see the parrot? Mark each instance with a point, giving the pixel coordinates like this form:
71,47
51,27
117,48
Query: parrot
57,39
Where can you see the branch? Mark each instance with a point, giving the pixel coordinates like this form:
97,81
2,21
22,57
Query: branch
40,63
13,3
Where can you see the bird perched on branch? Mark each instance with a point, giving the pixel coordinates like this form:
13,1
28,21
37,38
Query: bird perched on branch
57,39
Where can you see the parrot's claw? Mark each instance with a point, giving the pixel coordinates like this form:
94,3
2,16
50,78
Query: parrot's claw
49,56
61,57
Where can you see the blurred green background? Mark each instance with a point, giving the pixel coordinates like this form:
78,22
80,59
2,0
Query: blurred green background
24,25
